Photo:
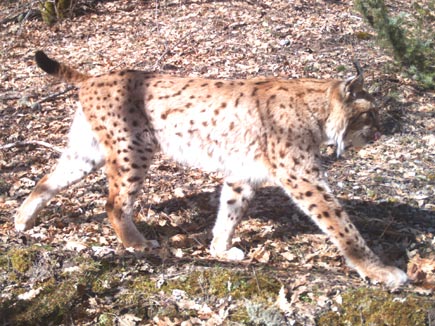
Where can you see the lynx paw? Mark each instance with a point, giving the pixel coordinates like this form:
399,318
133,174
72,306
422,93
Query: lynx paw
23,224
142,246
21,227
234,254
392,277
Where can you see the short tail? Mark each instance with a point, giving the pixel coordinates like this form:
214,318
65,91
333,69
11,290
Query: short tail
58,69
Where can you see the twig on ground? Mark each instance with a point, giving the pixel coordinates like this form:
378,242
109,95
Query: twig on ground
160,58
168,49
10,96
27,14
31,142
54,95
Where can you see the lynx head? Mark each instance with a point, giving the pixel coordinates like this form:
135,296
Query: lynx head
354,119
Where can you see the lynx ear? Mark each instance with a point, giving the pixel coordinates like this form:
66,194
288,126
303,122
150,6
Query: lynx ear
355,84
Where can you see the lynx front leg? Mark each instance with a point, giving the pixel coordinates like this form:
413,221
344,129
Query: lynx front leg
316,201
234,202
82,156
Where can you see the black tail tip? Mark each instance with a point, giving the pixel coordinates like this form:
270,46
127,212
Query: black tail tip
45,63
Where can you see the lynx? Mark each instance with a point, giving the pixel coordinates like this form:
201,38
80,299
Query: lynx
253,131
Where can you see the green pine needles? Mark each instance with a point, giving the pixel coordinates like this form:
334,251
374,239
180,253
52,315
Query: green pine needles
410,36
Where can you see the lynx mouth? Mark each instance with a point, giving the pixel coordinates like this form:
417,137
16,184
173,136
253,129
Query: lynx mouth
361,140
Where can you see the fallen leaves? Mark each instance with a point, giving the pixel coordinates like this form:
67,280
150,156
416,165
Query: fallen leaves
387,187
260,254
422,272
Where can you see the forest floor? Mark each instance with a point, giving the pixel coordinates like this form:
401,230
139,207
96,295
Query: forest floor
71,270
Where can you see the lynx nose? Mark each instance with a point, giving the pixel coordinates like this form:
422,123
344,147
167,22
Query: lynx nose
377,135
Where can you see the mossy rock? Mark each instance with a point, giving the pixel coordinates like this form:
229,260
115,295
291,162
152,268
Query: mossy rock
209,284
60,296
19,261
376,307
222,282
54,302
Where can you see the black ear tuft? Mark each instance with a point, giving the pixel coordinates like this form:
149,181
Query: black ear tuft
358,67
355,84
45,63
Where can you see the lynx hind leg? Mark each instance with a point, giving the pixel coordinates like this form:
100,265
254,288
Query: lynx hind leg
234,201
126,171
81,156
314,198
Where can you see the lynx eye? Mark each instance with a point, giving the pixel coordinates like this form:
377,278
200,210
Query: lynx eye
359,118
368,117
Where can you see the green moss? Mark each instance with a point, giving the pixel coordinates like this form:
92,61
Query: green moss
104,283
54,303
65,296
207,284
217,282
106,320
221,282
376,307
61,298
4,261
141,287
430,176
411,40
260,315
239,315
21,259
102,276
363,36
341,68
